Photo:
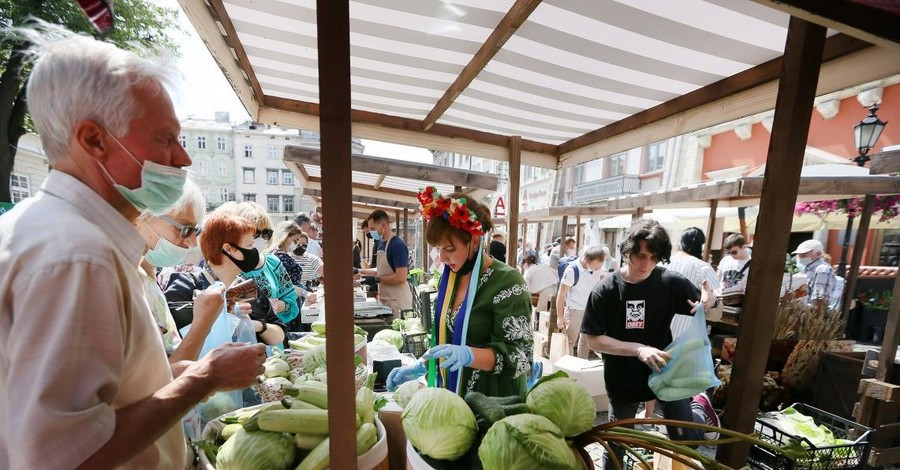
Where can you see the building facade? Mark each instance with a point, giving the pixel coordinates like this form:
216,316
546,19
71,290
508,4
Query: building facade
30,168
210,143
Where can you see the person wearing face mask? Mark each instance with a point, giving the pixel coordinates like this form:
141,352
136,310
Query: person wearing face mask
575,285
285,240
266,270
735,268
560,251
313,267
170,237
98,389
312,233
821,281
393,264
227,245
483,307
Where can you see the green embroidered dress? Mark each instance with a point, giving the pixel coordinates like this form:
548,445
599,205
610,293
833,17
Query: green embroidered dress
500,319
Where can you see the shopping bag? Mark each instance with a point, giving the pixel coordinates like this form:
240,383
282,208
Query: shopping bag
690,370
243,329
559,346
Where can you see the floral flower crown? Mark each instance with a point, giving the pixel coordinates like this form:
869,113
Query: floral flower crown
453,210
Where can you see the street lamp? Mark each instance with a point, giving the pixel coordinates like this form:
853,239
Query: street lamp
866,133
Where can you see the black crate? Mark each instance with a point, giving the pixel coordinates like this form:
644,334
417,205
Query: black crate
849,456
415,343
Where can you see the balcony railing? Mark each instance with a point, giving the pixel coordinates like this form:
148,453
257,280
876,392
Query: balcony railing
593,191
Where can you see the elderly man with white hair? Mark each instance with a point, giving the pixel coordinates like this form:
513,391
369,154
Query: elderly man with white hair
821,282
83,372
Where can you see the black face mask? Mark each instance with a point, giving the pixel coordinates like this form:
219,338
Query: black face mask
469,265
300,250
251,259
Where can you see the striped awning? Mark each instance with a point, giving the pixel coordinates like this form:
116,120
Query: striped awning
553,72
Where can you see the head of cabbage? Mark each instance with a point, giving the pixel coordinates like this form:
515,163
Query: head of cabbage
405,392
252,450
391,336
564,402
439,424
525,442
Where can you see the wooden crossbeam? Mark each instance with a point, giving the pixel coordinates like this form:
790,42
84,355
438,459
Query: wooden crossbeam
367,200
885,163
389,167
879,390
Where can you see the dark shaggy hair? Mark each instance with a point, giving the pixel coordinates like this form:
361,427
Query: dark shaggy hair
692,241
656,237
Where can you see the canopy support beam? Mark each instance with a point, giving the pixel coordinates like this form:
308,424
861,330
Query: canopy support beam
711,228
333,21
862,233
790,130
512,211
507,26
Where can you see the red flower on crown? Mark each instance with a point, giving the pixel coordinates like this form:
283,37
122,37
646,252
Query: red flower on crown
455,211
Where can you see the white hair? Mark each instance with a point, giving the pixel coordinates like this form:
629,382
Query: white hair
75,78
192,198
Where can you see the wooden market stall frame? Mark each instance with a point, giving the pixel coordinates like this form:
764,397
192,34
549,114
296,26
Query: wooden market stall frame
844,60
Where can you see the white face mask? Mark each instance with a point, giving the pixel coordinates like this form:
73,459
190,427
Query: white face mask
803,261
292,247
259,243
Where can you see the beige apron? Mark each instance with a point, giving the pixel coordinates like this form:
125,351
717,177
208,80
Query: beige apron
396,296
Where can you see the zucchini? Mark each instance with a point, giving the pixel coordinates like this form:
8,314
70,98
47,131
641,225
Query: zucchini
295,421
313,394
318,459
308,441
365,438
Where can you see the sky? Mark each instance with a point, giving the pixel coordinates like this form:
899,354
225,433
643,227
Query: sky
204,90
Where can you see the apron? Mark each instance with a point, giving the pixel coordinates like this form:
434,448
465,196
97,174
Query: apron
396,296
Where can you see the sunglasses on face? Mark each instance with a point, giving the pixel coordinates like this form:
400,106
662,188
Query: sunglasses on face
185,231
265,234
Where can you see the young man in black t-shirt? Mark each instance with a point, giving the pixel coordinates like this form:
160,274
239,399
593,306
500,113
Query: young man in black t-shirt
628,318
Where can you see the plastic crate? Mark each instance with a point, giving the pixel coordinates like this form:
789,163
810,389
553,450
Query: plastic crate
849,456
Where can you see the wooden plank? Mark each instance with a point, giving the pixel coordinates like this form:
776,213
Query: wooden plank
881,391
378,182
405,225
708,191
828,186
884,457
856,18
315,182
514,18
796,91
885,434
742,222
219,13
862,234
524,242
333,25
711,228
426,256
885,163
512,205
364,199
390,167
838,46
577,234
396,122
891,337
565,229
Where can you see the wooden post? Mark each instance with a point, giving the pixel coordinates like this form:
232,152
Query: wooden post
713,207
742,221
426,256
790,130
565,229
333,24
397,221
457,189
891,338
861,235
406,225
537,238
524,242
577,234
638,213
512,208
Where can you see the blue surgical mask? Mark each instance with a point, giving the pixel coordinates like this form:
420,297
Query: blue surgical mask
166,254
161,185
375,235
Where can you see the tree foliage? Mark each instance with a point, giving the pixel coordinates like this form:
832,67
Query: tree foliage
139,25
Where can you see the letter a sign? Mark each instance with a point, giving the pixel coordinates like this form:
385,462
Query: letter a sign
500,208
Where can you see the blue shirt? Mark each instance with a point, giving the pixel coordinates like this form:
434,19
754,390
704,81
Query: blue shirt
397,253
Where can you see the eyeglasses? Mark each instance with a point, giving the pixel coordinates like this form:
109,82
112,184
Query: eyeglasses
265,234
185,231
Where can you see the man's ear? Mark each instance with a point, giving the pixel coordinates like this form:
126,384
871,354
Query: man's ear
92,139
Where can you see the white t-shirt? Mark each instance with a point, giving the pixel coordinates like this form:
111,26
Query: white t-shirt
313,247
578,293
539,277
730,272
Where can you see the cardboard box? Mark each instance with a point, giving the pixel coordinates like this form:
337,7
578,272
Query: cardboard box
396,438
544,324
588,374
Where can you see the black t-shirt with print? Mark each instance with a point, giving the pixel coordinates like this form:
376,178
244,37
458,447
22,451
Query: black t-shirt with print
642,314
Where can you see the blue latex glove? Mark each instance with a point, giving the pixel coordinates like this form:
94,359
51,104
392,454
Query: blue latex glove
537,371
455,357
401,375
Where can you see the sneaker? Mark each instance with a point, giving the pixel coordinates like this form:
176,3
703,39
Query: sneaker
701,405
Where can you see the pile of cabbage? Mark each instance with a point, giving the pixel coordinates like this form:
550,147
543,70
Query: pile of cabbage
498,433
